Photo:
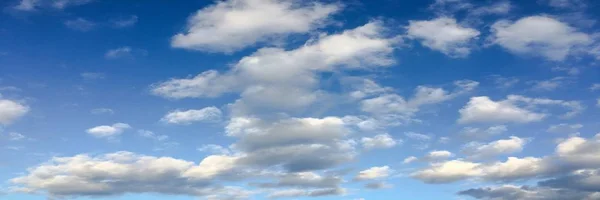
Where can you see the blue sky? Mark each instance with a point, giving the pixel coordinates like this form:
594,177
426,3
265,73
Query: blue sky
289,99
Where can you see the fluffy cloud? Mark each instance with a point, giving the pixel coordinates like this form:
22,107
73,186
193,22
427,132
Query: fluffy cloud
235,24
374,173
393,104
511,169
190,116
108,131
443,34
274,79
483,109
481,151
292,143
11,111
123,172
448,171
432,156
539,35
380,141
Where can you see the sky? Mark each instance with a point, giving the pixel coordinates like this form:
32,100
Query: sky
291,99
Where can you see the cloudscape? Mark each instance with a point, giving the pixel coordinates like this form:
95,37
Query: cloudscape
300,99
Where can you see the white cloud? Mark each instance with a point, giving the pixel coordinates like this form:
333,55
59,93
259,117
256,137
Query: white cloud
125,22
455,170
443,34
33,5
11,111
418,136
483,109
152,135
448,171
374,173
564,128
595,86
108,131
208,114
80,24
438,155
236,24
539,35
123,172
548,85
118,52
410,159
505,82
99,111
424,95
14,136
499,147
215,149
274,78
380,141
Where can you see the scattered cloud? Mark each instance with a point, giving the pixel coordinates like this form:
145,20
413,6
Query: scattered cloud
108,131
80,24
539,35
11,110
125,22
92,75
99,111
443,34
226,21
483,109
380,141
33,5
374,173
209,114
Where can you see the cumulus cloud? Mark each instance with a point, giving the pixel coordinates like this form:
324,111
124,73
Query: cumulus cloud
236,24
11,110
374,173
539,35
264,144
286,79
123,172
499,147
108,131
380,141
483,109
443,34
389,104
209,114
